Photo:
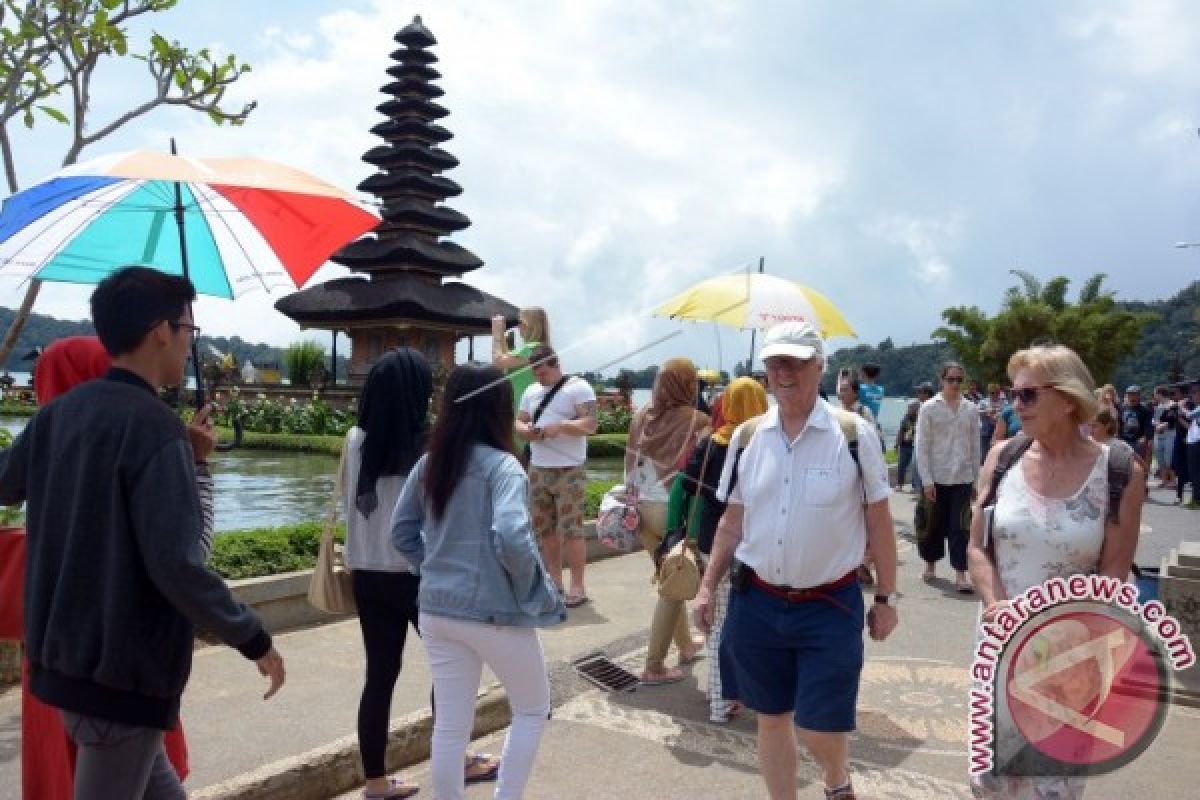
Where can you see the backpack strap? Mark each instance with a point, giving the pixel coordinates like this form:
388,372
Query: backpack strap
746,432
738,445
848,422
1010,454
1120,468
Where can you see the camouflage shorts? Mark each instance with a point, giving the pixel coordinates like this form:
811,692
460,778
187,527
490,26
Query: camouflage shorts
556,501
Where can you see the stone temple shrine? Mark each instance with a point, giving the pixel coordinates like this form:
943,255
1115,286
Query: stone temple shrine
404,296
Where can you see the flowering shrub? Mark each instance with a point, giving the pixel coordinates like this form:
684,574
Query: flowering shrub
260,415
614,419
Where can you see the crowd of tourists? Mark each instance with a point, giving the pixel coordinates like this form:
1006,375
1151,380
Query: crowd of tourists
461,531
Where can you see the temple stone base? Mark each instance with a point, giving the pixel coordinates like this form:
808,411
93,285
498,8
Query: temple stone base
1179,591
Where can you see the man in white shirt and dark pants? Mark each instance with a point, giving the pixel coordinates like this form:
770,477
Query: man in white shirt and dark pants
798,519
948,459
558,413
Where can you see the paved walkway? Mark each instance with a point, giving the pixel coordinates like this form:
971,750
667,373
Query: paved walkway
655,742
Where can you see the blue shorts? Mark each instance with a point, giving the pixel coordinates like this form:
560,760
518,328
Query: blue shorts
805,657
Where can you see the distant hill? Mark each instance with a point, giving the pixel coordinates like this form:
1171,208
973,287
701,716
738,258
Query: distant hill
40,330
1169,349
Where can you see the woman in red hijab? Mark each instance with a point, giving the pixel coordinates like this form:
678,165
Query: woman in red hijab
47,753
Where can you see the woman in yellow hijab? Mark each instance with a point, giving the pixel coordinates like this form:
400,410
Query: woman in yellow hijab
743,400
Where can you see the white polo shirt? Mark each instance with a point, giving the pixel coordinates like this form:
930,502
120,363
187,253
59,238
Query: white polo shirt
804,524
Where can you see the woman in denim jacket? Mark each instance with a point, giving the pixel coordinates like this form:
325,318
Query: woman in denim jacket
463,521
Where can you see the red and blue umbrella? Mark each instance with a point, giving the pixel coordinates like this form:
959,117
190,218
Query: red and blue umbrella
247,224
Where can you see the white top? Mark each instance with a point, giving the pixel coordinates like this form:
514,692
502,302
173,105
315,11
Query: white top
368,539
1193,433
1037,538
947,442
804,524
560,451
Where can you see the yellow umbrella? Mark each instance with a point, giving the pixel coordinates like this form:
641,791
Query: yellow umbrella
757,301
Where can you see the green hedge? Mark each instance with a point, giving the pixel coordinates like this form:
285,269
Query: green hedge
601,445
607,445
255,552
17,409
293,442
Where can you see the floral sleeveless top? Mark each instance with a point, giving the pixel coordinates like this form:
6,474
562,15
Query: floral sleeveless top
1038,537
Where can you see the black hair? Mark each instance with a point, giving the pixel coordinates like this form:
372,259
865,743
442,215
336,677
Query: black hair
392,412
871,370
949,365
131,301
477,408
543,354
850,376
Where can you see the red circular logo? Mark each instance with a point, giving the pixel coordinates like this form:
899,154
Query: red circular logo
1086,690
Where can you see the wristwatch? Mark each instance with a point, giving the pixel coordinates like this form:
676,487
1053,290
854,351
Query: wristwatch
892,599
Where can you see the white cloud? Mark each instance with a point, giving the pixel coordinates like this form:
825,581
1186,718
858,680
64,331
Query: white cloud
926,241
614,153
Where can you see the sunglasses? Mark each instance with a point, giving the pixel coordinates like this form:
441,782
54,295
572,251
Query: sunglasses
954,379
1029,394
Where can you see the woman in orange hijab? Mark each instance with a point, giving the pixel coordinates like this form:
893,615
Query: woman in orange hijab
661,437
47,753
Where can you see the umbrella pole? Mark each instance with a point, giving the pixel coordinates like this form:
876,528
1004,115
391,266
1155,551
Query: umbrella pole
183,258
753,331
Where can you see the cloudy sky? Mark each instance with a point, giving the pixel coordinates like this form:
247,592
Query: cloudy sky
898,156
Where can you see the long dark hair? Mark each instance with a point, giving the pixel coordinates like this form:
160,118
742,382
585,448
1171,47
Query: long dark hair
476,409
392,412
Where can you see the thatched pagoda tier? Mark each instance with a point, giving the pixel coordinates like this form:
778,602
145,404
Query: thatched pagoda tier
410,181
415,252
406,154
416,72
415,106
407,56
415,36
411,128
423,215
411,87
401,297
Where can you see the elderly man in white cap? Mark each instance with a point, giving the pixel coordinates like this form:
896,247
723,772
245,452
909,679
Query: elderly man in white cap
801,508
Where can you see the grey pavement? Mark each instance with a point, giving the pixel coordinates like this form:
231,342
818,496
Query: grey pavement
655,742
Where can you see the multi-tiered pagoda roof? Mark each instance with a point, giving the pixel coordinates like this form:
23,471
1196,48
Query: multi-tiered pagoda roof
406,260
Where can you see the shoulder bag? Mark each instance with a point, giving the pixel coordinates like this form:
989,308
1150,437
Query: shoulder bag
331,588
678,571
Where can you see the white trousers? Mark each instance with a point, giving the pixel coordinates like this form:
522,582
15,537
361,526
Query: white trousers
457,651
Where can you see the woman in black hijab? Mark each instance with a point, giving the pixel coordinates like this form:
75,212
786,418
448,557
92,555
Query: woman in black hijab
379,451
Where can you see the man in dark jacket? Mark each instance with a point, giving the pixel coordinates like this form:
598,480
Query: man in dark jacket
115,579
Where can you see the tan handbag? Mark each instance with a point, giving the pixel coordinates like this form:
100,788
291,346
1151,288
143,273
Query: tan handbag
679,572
679,575
331,589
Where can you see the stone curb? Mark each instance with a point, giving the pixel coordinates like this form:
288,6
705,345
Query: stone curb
335,768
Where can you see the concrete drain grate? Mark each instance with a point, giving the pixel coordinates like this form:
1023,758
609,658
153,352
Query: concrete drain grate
599,669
